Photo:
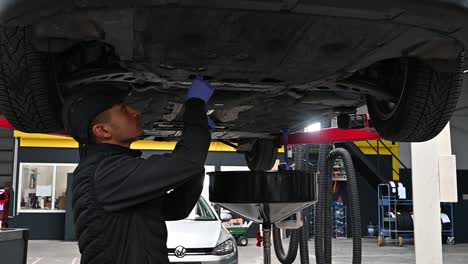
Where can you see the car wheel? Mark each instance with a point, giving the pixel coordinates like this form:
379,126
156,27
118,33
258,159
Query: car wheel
262,156
424,101
242,241
28,96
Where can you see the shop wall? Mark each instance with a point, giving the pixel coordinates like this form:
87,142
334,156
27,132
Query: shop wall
461,208
43,226
368,189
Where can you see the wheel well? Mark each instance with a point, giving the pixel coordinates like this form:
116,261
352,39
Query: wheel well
115,27
378,75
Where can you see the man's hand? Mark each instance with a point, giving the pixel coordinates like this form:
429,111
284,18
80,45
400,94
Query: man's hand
200,89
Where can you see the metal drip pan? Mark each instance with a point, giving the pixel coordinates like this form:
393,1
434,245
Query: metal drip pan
263,196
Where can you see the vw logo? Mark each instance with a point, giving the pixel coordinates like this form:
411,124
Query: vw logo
180,252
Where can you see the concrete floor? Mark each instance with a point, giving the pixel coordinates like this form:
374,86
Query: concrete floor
57,252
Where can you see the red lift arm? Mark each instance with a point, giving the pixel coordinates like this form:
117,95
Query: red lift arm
331,135
4,123
359,129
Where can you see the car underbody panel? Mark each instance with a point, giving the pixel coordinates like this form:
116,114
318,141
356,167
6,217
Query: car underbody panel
274,64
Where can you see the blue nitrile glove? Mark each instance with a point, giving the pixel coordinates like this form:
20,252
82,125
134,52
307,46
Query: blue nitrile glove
211,125
200,89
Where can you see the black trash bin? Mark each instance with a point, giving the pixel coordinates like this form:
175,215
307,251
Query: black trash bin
14,245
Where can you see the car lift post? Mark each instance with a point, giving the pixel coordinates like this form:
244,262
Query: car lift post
434,179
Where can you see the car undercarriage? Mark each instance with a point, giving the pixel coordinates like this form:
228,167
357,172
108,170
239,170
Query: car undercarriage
274,65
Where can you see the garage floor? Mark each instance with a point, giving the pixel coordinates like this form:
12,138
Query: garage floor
56,252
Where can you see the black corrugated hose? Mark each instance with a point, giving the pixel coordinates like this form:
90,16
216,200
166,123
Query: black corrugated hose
323,224
304,238
293,246
299,157
299,152
353,200
299,237
328,215
323,213
323,209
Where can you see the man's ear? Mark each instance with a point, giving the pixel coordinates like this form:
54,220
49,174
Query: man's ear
101,131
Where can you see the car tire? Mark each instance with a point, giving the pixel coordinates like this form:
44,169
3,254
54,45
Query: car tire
426,101
28,96
242,241
262,156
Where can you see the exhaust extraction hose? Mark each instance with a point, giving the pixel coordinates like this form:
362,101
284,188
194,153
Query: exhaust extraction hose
278,245
296,234
353,200
304,238
299,237
323,213
323,224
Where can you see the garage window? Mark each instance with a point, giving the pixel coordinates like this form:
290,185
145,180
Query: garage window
43,187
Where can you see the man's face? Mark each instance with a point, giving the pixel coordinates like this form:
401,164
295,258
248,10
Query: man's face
122,125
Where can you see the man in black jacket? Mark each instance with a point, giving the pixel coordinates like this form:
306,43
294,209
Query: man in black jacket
120,200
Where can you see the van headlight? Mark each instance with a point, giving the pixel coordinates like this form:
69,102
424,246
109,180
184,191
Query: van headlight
226,244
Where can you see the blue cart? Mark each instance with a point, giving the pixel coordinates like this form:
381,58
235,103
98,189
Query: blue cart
389,210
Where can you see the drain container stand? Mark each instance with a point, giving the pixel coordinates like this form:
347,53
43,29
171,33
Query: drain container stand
266,242
263,197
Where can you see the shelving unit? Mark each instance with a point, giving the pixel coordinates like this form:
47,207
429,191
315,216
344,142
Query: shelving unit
340,225
390,209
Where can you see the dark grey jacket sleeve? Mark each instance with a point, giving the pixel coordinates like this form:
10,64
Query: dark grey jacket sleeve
123,181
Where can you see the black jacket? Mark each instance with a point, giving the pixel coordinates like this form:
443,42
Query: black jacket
121,201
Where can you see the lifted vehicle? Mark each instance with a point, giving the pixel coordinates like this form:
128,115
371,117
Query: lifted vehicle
275,64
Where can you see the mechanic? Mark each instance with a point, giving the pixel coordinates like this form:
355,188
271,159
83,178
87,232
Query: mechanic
120,200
